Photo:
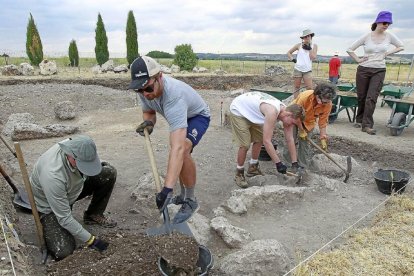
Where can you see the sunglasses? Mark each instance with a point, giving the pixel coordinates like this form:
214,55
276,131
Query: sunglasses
149,88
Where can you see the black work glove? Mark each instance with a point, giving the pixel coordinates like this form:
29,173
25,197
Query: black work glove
281,168
293,60
306,46
149,125
163,198
98,244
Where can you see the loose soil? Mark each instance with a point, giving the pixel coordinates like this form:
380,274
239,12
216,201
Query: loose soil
110,114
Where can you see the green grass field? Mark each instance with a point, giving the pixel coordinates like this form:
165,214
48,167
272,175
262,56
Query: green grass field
395,72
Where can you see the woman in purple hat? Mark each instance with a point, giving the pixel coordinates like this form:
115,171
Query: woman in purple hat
371,69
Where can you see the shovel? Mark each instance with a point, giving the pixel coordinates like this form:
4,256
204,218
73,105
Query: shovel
20,197
347,171
167,227
35,213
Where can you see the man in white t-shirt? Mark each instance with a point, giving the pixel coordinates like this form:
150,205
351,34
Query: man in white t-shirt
253,117
188,117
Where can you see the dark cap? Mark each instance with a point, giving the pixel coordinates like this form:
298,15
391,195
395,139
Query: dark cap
142,69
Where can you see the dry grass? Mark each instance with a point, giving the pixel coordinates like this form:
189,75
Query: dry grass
385,248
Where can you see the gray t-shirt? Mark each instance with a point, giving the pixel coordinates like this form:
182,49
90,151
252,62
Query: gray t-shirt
177,104
56,186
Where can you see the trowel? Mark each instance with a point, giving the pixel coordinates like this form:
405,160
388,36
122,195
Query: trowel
167,228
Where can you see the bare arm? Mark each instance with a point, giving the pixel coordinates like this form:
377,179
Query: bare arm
149,115
176,157
290,142
314,52
269,112
292,50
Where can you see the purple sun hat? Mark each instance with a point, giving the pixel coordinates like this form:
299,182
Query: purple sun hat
384,16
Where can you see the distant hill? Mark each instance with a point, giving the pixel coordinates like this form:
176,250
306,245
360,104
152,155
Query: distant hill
405,58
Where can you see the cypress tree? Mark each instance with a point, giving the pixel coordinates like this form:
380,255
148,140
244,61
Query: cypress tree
101,40
131,38
73,54
34,48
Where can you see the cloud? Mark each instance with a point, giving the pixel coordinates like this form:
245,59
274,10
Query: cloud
216,26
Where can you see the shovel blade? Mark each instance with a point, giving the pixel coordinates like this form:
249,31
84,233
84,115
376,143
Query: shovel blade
165,229
21,200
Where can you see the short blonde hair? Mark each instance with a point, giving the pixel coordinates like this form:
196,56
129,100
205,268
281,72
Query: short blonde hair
296,110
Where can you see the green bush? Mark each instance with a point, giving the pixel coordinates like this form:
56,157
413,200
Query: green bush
34,48
159,54
131,38
73,54
185,57
101,40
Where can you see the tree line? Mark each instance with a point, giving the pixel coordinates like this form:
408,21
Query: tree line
184,55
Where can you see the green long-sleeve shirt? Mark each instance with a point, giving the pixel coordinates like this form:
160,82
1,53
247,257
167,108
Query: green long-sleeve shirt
56,186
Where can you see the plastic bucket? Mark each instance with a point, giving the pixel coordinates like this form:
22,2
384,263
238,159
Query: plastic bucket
389,181
204,263
263,155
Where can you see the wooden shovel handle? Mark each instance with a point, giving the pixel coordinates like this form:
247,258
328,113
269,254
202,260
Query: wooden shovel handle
152,161
26,181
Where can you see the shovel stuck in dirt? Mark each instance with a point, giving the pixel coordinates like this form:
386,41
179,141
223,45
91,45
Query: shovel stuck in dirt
167,227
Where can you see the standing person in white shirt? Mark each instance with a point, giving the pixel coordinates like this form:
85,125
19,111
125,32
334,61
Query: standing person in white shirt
307,52
371,70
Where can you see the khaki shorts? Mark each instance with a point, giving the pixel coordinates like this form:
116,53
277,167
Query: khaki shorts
304,75
244,131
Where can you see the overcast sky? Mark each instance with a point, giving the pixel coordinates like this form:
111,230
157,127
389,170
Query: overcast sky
227,26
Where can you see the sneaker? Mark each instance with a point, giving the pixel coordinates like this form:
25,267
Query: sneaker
186,211
368,130
99,219
254,170
240,179
177,200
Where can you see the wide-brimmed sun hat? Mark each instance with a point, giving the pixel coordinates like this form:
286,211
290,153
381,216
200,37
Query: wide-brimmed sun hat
306,33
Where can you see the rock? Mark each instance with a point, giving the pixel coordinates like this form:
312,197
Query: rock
145,187
236,206
200,227
10,70
260,257
197,69
233,236
65,110
237,92
17,118
97,69
220,72
258,196
123,68
275,70
26,69
27,131
48,67
108,66
175,68
219,212
165,69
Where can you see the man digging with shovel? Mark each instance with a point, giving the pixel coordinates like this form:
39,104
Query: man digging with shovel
68,171
188,117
